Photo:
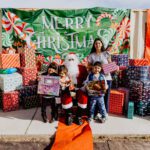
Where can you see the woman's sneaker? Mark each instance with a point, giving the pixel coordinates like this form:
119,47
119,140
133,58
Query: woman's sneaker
103,120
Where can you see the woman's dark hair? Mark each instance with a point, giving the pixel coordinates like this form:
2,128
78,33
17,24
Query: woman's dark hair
53,66
93,47
98,63
62,69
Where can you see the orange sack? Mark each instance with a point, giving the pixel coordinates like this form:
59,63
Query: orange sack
73,137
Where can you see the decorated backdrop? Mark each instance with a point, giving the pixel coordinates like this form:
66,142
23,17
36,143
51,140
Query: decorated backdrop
54,33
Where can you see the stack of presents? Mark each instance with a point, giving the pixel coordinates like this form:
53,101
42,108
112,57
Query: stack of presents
130,91
18,79
130,87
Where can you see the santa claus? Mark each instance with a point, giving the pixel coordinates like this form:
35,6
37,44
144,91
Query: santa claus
78,74
76,71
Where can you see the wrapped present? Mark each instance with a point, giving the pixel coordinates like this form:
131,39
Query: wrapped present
146,89
123,80
136,90
29,76
116,102
132,72
126,100
107,68
138,72
9,61
115,80
95,88
120,59
143,72
130,112
27,91
142,107
31,101
11,101
10,82
138,62
146,93
49,85
27,59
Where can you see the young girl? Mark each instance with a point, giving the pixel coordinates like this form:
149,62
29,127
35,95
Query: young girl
96,95
66,99
51,71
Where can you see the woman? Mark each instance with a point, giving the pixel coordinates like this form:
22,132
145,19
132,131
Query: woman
98,53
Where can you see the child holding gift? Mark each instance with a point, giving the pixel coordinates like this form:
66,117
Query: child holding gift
66,99
51,71
96,86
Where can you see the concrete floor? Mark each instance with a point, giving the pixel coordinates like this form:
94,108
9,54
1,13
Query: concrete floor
29,122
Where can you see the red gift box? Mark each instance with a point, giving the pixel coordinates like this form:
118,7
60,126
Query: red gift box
116,102
107,68
126,99
10,101
27,60
138,62
9,61
29,76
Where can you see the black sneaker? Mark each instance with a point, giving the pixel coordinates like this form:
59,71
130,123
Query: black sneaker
79,121
51,120
69,121
56,117
89,119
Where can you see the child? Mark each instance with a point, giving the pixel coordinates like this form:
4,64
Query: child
66,98
97,82
51,71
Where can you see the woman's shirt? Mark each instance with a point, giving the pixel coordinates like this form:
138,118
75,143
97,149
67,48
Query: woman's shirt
103,58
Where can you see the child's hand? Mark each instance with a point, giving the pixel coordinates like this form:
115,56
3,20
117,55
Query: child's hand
67,83
38,78
71,87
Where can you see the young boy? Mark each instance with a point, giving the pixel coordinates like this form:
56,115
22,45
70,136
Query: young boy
51,71
96,86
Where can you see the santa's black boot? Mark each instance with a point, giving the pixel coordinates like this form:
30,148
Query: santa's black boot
68,119
79,116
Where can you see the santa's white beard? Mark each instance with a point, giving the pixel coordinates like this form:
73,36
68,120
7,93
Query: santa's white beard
73,70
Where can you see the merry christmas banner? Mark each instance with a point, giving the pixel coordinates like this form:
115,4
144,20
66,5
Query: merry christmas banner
58,32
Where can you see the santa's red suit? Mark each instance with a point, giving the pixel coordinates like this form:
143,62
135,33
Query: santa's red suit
66,98
81,96
78,73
